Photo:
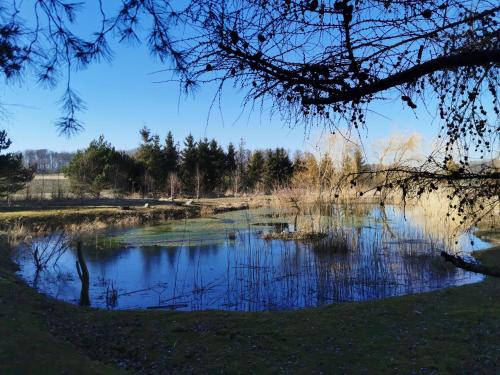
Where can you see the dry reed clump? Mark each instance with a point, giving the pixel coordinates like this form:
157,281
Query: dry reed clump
307,215
97,224
337,241
294,236
86,226
432,213
207,211
18,232
293,196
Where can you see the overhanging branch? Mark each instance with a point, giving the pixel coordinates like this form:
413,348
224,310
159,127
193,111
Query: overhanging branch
472,267
469,58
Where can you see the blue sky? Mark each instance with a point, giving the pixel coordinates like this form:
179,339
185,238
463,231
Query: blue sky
124,96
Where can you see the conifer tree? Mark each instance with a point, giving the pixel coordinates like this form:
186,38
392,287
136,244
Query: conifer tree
358,161
151,156
255,173
171,154
230,168
278,168
100,167
216,167
242,160
189,161
13,175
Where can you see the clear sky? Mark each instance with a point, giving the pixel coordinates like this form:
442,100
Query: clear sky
124,96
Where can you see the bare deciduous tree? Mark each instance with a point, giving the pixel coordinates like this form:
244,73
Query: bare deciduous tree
318,61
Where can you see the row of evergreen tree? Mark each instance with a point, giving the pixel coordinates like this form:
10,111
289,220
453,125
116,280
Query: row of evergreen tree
198,168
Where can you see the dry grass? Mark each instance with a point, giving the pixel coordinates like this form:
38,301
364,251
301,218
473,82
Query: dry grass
42,187
89,215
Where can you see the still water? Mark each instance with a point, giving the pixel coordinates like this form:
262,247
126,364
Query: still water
223,262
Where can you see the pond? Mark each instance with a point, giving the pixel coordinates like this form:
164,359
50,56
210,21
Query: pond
223,262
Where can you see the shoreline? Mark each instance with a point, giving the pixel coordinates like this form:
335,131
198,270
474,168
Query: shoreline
87,217
443,331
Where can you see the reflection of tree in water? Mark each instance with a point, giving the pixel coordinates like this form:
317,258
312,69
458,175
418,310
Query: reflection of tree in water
203,251
151,258
172,254
370,256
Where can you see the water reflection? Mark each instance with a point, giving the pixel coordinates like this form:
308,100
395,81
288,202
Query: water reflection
197,264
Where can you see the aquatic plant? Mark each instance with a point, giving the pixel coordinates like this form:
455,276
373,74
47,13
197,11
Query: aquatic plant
222,262
48,250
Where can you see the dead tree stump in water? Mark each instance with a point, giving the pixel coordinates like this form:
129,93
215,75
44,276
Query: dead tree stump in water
83,274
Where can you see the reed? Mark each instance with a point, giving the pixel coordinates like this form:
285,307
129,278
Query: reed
362,253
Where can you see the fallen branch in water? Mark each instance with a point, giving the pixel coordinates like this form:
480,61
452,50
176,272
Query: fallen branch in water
171,307
477,268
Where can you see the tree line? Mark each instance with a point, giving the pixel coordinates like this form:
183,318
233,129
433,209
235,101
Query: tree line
196,168
410,51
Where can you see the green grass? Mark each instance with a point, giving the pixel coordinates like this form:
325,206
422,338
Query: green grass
455,330
26,344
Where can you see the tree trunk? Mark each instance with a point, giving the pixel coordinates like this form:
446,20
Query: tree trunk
83,274
198,182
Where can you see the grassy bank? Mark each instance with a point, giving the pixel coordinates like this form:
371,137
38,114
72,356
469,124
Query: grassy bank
26,344
456,330
77,214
